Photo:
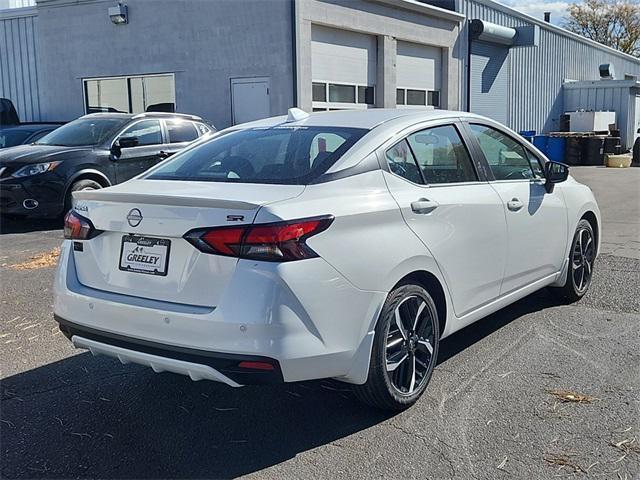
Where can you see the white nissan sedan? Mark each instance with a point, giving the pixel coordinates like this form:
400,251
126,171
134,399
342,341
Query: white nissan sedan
339,245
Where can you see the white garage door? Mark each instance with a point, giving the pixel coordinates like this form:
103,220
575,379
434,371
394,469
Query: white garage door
419,75
343,68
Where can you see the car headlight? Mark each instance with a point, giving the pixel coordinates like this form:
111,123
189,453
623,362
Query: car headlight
35,169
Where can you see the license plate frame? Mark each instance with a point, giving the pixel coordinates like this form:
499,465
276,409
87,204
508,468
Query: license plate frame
149,249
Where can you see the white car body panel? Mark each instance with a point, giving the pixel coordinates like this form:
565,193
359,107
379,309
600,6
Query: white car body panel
316,317
537,232
466,228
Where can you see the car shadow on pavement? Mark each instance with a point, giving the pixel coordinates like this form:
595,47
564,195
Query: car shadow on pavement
475,332
25,225
92,417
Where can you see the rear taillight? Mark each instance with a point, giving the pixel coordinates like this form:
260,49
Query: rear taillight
273,242
76,227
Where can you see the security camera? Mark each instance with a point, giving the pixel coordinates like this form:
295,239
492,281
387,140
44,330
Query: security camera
118,14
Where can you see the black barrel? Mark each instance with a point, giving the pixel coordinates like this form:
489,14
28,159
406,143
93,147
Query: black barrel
573,151
593,150
612,145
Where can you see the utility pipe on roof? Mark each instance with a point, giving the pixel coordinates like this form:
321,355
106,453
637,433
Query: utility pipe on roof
492,33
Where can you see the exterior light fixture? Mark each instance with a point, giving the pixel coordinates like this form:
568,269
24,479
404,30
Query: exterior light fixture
118,14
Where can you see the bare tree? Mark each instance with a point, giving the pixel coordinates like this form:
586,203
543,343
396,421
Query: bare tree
615,23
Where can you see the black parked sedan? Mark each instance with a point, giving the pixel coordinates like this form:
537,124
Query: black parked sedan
92,152
25,133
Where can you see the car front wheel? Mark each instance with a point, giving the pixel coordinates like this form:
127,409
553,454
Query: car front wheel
84,184
404,352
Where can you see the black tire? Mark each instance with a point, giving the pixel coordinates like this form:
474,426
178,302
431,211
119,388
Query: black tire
581,262
84,184
380,389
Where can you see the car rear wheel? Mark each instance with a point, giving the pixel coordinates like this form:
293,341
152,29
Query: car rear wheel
78,185
404,352
581,262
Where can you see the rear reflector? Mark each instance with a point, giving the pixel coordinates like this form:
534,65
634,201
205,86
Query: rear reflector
273,242
256,365
77,227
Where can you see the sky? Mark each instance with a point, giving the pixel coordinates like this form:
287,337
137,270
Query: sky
536,8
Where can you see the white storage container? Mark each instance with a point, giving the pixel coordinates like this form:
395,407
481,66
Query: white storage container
591,121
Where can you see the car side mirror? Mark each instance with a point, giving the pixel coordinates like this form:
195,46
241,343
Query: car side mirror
128,142
555,172
116,151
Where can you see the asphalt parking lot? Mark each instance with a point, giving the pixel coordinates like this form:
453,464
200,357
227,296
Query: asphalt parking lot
537,390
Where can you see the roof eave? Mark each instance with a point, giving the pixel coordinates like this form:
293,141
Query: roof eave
424,8
541,23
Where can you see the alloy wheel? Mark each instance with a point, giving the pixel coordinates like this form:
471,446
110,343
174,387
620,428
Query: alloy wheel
582,259
409,348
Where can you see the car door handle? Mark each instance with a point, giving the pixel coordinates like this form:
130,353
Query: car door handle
515,204
423,206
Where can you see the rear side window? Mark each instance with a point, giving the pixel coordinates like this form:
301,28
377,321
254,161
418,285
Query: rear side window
284,155
202,128
401,162
441,155
507,158
181,131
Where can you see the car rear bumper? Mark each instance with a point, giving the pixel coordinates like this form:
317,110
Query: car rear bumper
307,320
196,364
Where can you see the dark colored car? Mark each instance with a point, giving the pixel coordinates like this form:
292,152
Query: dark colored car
92,152
25,133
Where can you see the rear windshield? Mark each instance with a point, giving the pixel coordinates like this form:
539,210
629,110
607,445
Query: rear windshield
285,155
83,132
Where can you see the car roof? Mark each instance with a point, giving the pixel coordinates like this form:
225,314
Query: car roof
367,119
142,115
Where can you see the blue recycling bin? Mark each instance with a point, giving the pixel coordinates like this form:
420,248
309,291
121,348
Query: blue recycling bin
541,142
556,148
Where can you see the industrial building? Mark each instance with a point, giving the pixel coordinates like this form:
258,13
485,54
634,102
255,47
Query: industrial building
231,61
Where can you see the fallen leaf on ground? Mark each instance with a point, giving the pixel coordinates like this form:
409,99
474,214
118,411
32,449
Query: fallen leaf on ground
627,446
564,461
574,397
41,260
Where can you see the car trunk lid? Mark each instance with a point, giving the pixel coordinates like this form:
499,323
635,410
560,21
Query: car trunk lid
142,252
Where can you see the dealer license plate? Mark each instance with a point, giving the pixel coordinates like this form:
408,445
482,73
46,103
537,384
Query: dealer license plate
145,255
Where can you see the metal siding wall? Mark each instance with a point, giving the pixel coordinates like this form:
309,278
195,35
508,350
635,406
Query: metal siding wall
18,65
618,99
537,73
490,81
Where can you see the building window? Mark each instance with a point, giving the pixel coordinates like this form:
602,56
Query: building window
417,97
341,96
342,93
366,95
319,92
134,94
400,96
433,98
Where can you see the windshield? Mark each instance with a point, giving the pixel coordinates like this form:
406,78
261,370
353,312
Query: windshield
83,132
11,138
285,155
